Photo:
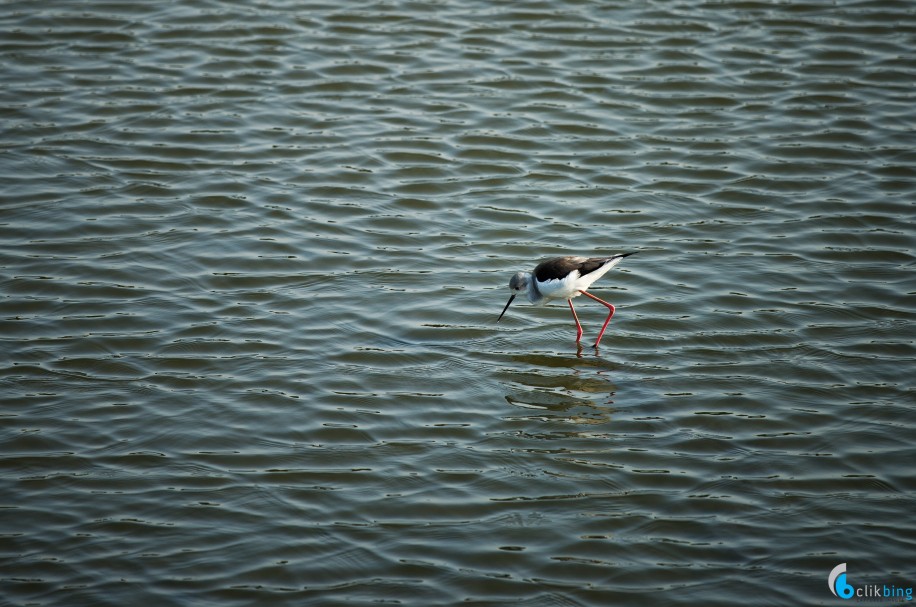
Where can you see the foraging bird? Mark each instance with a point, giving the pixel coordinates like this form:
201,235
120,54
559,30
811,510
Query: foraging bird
564,278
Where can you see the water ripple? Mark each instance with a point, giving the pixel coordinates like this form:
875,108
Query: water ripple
253,255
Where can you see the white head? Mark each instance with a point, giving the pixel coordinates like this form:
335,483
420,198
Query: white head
517,284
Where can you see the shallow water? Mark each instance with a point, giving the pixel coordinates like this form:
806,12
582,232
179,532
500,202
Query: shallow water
252,255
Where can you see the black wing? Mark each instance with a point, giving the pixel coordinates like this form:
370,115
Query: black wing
559,267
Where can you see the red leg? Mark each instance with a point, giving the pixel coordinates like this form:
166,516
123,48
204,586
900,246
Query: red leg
610,308
578,326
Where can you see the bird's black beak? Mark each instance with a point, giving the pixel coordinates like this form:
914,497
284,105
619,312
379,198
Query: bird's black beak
507,307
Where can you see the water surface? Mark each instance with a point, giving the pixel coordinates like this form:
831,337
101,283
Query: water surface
252,254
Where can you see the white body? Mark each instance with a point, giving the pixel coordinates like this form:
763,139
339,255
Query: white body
540,293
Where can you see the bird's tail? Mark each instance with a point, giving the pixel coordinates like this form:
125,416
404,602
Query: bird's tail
613,260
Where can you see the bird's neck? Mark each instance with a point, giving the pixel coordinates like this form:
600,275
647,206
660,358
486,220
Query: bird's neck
534,294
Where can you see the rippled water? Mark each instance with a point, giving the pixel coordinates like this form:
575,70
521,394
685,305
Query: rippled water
252,256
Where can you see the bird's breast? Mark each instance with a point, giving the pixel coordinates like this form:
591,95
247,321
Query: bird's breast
558,288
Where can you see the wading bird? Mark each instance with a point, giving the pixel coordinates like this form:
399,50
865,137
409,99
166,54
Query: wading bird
564,278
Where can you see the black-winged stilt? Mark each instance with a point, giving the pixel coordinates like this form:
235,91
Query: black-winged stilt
564,278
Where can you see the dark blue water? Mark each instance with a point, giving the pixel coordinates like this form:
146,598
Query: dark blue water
252,255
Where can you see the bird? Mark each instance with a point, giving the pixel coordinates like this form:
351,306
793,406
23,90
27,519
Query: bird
565,278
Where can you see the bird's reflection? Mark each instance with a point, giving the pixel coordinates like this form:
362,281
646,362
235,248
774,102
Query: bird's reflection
569,396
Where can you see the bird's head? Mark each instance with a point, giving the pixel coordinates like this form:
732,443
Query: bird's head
517,284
